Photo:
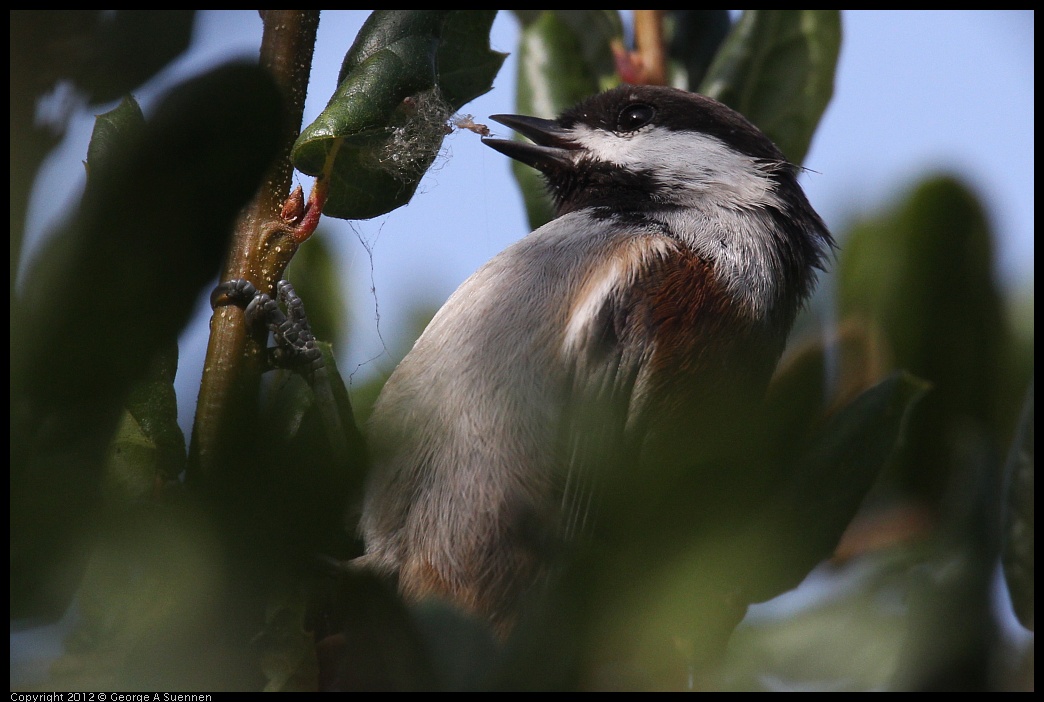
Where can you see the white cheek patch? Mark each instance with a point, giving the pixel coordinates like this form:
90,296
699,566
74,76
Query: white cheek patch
694,168
721,196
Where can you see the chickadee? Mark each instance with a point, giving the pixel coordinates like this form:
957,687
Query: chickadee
627,332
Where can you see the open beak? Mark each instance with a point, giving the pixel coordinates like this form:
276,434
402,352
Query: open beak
551,147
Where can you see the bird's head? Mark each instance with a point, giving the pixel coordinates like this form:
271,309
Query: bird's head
718,182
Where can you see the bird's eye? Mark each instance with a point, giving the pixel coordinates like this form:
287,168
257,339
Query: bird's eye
634,117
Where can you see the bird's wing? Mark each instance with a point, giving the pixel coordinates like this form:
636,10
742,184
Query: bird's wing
639,346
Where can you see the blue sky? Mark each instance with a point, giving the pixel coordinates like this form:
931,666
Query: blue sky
917,92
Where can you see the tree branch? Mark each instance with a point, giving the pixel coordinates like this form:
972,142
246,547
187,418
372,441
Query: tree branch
648,40
262,246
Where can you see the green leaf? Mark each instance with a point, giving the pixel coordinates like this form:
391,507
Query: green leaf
408,34
846,455
317,278
387,118
106,53
694,39
108,292
777,68
467,65
153,406
564,57
314,426
113,132
132,466
921,275
130,46
822,488
1018,553
103,53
